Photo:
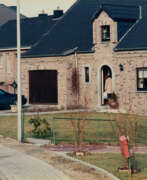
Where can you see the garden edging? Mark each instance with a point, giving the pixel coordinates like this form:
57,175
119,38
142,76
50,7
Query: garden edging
64,155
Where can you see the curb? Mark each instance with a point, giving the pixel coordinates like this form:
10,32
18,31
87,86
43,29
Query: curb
89,165
9,113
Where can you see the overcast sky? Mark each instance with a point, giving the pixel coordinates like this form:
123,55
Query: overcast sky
34,7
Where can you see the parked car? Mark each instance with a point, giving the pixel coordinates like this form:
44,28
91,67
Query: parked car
8,99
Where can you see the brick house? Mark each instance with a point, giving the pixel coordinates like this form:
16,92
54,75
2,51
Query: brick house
7,13
32,29
93,38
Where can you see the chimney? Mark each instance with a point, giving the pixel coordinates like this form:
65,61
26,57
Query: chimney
58,13
43,14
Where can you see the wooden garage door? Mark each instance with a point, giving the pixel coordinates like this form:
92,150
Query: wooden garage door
43,87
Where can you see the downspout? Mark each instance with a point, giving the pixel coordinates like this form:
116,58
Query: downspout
76,59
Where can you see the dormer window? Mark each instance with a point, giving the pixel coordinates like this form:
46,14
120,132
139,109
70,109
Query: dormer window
105,33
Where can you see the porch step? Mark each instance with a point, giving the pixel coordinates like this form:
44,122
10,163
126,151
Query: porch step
108,109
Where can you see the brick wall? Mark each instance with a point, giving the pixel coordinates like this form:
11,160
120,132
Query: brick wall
51,63
8,69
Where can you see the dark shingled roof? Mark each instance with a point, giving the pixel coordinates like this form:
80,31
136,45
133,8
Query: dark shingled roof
75,28
125,16
123,27
136,38
117,12
6,14
31,31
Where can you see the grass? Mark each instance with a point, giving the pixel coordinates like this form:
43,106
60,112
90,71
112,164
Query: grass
8,126
111,162
94,131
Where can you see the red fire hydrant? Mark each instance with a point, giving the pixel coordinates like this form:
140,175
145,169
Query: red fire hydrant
124,147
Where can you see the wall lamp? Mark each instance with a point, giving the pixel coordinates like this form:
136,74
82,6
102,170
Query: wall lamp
121,67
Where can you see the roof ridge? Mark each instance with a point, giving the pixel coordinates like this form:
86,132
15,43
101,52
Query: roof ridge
130,6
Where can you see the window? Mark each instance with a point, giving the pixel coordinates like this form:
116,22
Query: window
8,63
1,60
105,33
142,79
86,74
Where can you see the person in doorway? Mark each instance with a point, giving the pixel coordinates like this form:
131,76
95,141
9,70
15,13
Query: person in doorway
108,86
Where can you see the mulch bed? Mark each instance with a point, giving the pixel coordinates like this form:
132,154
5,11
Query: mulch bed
72,148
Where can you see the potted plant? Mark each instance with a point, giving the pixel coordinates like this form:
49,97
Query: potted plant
112,101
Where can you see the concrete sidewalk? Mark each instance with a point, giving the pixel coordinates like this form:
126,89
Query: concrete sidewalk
16,165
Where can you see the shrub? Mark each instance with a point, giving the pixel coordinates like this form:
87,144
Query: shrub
41,128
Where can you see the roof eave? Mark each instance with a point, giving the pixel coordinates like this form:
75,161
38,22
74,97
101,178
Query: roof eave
55,55
14,48
130,49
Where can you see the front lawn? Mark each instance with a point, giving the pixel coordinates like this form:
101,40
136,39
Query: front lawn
111,162
94,131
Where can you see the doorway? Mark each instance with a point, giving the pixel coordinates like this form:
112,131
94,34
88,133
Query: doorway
105,71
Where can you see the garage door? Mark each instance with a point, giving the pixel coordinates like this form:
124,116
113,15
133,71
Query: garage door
43,87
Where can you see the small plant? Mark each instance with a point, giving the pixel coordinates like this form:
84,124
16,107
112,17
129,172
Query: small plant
113,101
79,124
41,128
113,97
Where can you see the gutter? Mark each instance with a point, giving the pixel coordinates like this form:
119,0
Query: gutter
130,49
55,55
14,48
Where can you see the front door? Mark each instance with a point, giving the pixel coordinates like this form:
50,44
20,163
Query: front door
105,70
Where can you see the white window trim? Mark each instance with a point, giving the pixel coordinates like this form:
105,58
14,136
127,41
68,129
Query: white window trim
84,78
100,81
140,90
1,64
8,68
102,40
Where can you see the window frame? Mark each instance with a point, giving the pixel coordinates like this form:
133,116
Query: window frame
107,39
1,60
8,63
137,76
84,74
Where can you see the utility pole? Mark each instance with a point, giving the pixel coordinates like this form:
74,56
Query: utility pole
19,104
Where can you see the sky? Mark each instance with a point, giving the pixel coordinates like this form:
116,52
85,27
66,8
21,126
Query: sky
32,8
